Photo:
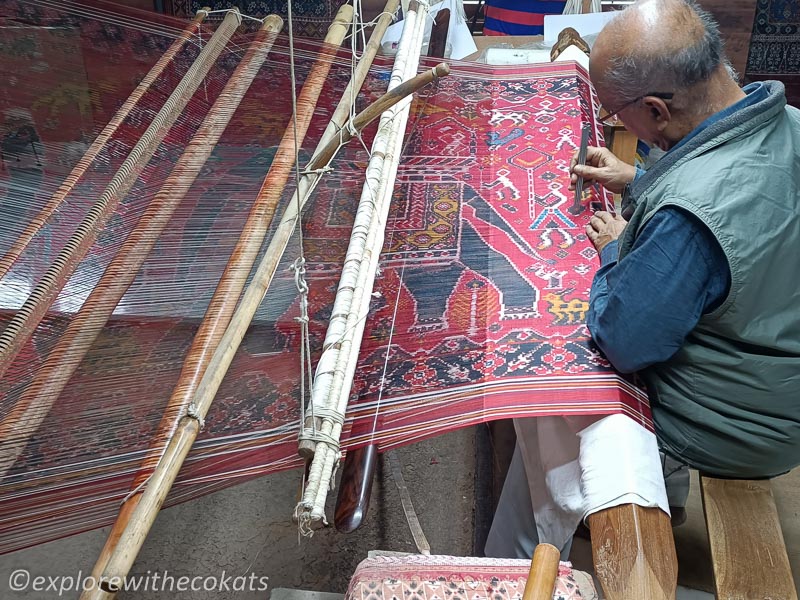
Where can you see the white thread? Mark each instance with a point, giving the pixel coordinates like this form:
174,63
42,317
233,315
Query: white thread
305,339
135,490
306,371
314,434
336,465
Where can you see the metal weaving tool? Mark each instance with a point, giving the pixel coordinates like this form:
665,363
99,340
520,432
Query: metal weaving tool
577,204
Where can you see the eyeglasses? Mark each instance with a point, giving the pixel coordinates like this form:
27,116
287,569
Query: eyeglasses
612,118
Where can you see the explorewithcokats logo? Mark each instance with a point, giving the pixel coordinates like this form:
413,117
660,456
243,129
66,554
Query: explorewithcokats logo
23,580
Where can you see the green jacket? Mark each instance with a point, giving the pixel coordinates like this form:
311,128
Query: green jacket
728,402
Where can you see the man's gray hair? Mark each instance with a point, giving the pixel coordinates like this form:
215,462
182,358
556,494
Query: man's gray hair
651,71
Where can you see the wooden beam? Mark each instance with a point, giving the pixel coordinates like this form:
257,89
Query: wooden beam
747,548
634,553
437,47
623,144
355,488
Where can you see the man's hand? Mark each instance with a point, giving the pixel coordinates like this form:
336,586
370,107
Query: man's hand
601,167
603,228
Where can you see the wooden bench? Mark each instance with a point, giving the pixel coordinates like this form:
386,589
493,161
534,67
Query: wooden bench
747,547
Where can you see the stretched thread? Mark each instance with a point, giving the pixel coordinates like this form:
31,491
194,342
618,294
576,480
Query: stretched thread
25,321
63,361
11,256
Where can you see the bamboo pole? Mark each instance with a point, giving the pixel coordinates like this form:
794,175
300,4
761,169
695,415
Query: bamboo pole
544,570
358,471
27,318
140,509
254,294
337,365
325,153
11,256
333,132
348,99
48,382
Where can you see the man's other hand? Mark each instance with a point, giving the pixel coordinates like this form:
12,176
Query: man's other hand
603,228
602,167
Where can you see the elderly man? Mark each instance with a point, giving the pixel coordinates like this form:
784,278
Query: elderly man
699,292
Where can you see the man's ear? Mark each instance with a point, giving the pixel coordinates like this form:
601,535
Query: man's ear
659,111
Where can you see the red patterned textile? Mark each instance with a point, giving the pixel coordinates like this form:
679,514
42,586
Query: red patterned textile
486,272
457,578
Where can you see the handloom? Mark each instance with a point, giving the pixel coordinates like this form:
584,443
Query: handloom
476,311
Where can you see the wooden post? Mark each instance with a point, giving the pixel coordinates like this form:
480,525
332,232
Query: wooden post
10,257
747,547
32,407
355,488
140,509
634,553
623,144
333,132
25,321
543,574
437,46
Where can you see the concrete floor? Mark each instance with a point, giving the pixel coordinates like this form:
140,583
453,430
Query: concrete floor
247,529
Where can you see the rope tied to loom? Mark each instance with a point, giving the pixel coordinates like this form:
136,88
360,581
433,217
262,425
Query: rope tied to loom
319,171
299,268
192,412
312,433
359,29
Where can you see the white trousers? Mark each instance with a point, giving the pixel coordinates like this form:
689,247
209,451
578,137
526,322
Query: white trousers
567,468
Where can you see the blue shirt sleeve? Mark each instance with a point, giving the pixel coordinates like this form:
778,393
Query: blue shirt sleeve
643,307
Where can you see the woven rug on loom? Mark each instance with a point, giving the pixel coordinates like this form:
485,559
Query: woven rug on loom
775,45
480,302
486,271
